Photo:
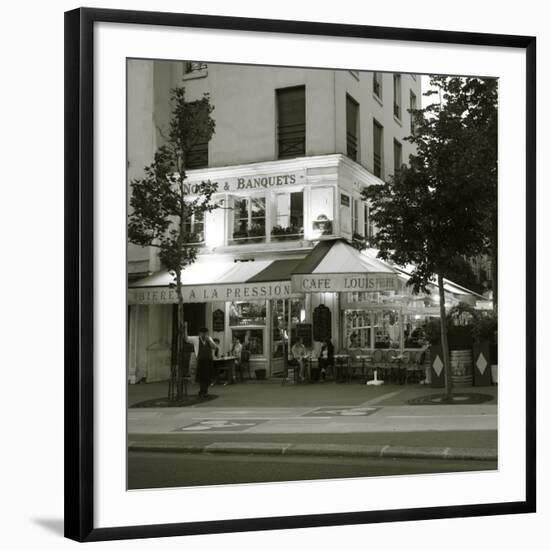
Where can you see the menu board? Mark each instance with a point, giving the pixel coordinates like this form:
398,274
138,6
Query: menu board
303,331
322,323
218,321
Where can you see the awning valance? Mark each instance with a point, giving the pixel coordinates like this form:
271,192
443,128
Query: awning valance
211,281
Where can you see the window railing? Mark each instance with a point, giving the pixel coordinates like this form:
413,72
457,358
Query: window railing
351,141
292,141
377,165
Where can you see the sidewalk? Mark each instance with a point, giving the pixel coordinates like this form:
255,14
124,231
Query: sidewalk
319,419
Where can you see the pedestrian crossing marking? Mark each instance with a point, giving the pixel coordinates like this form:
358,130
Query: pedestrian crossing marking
220,425
342,411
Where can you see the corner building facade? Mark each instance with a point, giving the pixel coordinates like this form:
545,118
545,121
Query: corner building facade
292,150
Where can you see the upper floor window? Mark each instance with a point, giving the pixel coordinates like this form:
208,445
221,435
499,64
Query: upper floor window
322,211
397,95
197,156
378,148
193,228
193,67
352,127
377,84
397,155
289,216
248,220
291,122
412,107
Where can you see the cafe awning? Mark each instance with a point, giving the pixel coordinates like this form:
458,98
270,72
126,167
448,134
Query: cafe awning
336,266
210,281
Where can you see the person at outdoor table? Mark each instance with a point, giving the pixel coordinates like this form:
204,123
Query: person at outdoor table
205,361
326,357
299,353
236,351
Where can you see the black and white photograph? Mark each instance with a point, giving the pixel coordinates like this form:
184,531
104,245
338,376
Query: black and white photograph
312,275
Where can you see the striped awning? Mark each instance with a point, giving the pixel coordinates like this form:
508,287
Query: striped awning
213,280
336,266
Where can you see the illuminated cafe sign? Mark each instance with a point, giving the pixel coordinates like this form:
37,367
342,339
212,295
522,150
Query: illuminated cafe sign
211,293
344,282
250,182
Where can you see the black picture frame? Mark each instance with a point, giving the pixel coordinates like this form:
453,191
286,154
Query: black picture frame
79,269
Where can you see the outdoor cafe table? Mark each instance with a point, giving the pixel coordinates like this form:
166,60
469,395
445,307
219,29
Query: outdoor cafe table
225,363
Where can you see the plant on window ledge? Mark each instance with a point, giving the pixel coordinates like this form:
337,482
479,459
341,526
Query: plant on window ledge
256,233
280,233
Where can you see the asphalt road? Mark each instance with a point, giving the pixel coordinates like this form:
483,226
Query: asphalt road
157,470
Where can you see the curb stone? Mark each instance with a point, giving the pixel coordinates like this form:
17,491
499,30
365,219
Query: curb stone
321,449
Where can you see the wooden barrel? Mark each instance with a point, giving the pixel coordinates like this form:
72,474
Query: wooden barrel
461,367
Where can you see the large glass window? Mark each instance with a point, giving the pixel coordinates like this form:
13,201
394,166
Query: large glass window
289,216
378,148
193,228
291,122
352,127
358,329
322,210
244,314
251,339
248,220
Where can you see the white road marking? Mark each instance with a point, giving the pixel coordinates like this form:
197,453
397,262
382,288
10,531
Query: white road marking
381,398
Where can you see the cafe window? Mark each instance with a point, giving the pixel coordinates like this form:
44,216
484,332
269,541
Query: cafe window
193,228
244,314
289,216
352,127
397,95
378,148
397,156
386,329
358,329
322,210
291,122
251,340
248,220
377,85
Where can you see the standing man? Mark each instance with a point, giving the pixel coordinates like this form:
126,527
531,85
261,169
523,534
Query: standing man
205,363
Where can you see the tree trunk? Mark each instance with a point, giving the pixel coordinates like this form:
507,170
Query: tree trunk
444,339
177,374
494,278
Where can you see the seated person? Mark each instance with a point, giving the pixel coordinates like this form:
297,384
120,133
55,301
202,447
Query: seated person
298,354
326,357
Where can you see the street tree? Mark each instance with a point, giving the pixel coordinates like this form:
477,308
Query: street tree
164,212
435,209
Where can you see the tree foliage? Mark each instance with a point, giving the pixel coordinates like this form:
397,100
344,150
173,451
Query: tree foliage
443,204
162,208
